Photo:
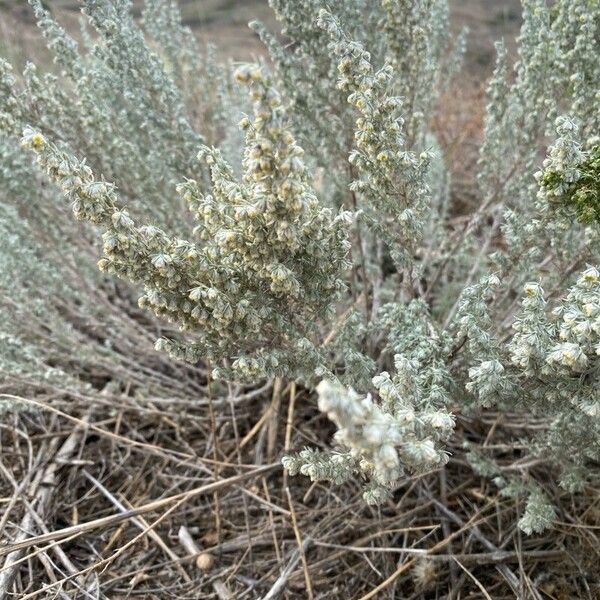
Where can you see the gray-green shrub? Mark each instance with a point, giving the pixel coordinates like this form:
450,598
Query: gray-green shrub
326,250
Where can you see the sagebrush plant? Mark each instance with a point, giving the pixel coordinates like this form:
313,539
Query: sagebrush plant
324,250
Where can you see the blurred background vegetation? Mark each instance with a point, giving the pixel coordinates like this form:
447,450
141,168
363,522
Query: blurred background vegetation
224,23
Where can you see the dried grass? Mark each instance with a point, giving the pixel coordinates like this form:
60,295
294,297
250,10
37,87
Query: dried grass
127,477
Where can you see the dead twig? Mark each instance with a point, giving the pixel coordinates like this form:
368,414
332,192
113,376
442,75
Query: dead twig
40,504
140,510
280,584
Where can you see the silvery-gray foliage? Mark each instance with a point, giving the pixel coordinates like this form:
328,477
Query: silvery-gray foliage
325,249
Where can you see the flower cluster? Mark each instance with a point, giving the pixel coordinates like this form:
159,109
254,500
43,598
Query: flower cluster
380,439
571,175
270,260
579,329
540,346
539,512
418,45
551,370
532,334
392,179
287,251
